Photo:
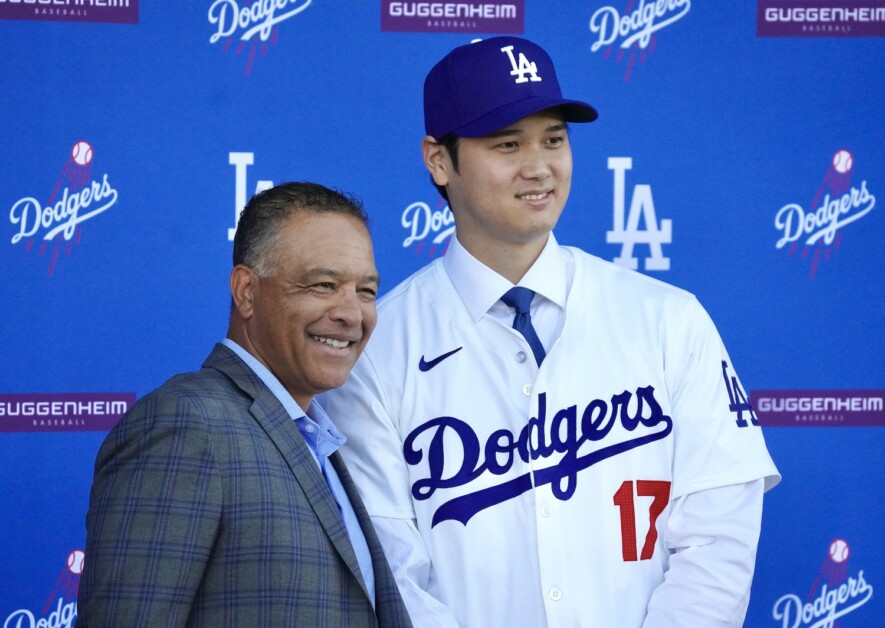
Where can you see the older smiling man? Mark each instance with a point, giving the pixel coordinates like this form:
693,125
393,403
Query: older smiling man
220,499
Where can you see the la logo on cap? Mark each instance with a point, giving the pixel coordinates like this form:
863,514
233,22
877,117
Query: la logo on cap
525,66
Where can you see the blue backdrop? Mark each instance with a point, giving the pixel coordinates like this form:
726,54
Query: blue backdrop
748,138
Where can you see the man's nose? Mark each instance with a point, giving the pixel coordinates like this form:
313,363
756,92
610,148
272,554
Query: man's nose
347,308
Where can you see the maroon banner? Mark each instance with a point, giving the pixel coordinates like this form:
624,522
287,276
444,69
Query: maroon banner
448,16
62,412
819,408
118,11
820,18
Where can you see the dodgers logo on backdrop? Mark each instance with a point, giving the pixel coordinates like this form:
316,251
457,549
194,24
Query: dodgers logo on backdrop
119,11
242,21
60,609
635,29
76,197
454,16
241,162
425,225
627,231
611,427
837,204
837,591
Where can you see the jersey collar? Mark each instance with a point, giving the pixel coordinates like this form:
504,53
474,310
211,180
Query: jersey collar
480,287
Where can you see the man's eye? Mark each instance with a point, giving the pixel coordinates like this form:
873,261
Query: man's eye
507,145
556,141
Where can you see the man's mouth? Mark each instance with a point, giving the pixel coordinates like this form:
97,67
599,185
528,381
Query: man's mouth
534,196
338,344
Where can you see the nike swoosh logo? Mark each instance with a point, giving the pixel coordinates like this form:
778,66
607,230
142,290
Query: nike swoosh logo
425,365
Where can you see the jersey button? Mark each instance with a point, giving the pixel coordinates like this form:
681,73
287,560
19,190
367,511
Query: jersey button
521,356
555,594
546,511
527,390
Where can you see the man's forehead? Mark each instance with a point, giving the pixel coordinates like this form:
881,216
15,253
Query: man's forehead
330,245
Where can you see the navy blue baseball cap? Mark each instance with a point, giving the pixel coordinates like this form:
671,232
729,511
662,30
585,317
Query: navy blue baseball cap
482,87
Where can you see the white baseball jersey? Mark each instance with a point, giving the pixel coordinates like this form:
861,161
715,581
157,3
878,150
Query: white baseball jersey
539,491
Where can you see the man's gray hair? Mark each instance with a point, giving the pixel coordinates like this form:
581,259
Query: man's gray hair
259,225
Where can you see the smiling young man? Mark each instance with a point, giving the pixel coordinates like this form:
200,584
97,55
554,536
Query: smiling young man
509,189
219,498
543,438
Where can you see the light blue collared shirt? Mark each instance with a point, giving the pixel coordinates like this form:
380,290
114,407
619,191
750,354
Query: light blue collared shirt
323,439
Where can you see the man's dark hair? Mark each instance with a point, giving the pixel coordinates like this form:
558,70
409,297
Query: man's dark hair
259,223
449,141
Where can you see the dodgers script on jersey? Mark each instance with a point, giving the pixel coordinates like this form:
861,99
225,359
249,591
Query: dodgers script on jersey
539,493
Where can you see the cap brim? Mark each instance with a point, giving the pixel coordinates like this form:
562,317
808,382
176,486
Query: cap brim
502,117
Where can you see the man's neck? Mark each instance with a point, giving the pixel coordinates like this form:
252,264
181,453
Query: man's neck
510,260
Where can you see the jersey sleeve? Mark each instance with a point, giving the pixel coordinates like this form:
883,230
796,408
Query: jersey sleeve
373,451
718,440
713,536
414,573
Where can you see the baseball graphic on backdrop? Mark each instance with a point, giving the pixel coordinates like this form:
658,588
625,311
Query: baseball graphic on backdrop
81,153
839,551
75,562
842,161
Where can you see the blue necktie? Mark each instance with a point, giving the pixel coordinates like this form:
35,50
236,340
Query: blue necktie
520,299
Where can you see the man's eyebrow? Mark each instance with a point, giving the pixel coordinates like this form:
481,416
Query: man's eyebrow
558,126
505,132
312,273
373,279
320,272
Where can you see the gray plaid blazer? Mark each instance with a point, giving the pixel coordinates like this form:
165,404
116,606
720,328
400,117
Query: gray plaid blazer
207,509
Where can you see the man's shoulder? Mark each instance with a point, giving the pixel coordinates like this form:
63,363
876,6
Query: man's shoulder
191,391
425,283
414,311
608,276
205,381
209,378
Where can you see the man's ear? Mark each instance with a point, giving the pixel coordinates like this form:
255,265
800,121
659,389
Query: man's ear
243,283
437,160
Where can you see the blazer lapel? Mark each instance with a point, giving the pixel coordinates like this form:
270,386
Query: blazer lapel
279,426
